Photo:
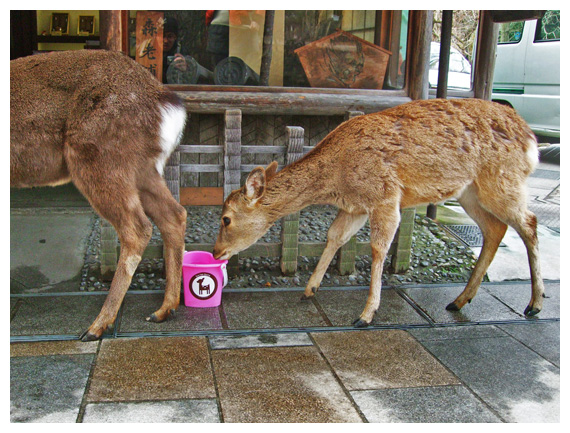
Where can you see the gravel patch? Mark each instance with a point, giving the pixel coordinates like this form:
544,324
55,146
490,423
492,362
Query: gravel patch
437,257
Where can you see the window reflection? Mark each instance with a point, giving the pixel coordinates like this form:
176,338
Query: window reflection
312,48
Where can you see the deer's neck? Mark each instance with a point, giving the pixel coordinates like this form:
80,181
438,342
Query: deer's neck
294,188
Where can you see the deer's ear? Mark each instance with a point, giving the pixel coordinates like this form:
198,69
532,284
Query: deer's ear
255,184
270,171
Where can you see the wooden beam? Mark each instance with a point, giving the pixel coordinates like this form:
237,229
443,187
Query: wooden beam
283,103
504,16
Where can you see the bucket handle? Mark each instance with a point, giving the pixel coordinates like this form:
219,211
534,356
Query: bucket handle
225,274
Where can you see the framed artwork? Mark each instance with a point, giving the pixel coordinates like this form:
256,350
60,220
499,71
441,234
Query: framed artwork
86,25
59,24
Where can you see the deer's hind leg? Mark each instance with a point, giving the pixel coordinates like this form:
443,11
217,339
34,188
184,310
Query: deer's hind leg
123,209
344,226
510,206
111,188
493,231
170,218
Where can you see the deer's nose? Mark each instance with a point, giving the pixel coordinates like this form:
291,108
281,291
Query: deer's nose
216,253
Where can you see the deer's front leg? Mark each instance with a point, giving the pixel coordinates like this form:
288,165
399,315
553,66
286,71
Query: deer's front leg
383,225
341,230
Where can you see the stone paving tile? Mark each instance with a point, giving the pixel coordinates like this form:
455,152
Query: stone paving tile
456,332
56,315
381,359
517,296
484,307
152,369
292,384
259,340
47,388
542,337
257,310
137,307
44,348
186,411
342,307
439,404
518,384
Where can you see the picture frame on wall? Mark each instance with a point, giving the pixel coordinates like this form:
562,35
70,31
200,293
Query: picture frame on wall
86,25
59,24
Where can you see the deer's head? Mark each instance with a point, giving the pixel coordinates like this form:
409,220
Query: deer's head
245,218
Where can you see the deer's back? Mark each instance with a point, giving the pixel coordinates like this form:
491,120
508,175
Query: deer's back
56,87
73,97
427,149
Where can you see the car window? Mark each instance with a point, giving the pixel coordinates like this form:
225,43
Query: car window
511,33
548,27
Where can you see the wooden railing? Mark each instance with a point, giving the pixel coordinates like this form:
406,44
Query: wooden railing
289,249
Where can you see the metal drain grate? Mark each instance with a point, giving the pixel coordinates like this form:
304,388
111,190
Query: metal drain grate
469,234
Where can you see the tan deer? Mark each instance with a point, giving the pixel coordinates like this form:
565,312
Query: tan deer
101,121
373,166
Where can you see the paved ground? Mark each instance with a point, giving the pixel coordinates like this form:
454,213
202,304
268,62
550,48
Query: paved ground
266,356
269,357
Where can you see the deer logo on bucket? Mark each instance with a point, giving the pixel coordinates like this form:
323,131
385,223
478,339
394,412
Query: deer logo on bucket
203,285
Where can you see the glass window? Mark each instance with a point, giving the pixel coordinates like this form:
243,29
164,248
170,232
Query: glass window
548,28
463,35
315,48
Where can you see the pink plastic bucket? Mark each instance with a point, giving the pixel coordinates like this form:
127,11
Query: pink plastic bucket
204,277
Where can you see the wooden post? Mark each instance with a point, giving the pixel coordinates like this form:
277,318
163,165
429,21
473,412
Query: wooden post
232,151
110,30
267,48
172,174
443,73
109,242
419,59
232,165
172,178
290,223
346,258
419,69
403,240
444,51
485,57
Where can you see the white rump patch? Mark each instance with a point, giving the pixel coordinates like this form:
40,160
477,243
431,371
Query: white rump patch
171,129
532,153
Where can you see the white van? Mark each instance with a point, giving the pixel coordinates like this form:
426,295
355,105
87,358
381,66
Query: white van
527,71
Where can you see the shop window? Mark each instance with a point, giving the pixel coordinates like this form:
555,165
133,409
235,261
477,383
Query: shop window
325,49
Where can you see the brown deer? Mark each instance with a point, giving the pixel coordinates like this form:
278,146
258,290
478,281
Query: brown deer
101,121
373,166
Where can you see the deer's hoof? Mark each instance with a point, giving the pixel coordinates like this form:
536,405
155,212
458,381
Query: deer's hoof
305,297
154,318
452,307
531,311
88,336
359,323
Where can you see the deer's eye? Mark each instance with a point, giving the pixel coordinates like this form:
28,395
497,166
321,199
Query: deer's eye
226,221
